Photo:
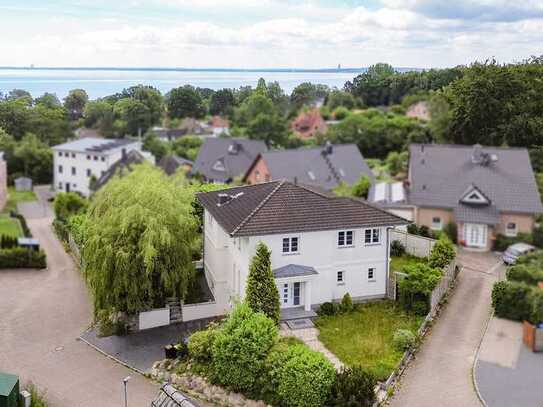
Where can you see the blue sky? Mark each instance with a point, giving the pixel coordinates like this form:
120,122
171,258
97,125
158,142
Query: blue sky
268,33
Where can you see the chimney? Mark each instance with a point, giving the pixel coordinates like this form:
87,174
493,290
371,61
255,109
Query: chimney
295,180
223,199
234,148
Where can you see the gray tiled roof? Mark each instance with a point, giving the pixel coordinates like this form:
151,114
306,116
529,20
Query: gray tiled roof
283,207
235,164
310,166
293,270
441,174
96,145
486,214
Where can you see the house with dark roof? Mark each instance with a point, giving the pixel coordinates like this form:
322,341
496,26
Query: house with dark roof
223,159
485,191
322,246
325,167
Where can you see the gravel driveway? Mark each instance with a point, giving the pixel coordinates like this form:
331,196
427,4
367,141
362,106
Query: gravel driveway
441,374
41,315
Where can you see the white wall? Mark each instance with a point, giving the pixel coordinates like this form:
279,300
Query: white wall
227,262
82,161
154,318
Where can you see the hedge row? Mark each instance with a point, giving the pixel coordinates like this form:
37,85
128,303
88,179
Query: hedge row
22,221
245,354
19,257
524,273
518,301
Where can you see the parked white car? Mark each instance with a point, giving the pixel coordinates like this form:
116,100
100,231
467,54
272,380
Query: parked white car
516,250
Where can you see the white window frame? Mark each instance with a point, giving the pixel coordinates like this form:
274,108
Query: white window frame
437,225
372,271
373,241
340,277
345,244
290,251
508,232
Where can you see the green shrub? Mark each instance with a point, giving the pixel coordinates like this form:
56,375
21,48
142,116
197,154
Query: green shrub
536,316
22,221
328,308
346,303
442,253
512,300
240,349
420,307
451,230
353,387
417,286
341,113
19,257
397,249
201,344
413,229
68,204
300,376
8,242
38,397
425,231
530,275
61,230
403,339
503,242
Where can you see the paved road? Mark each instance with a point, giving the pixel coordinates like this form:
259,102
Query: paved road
441,373
41,315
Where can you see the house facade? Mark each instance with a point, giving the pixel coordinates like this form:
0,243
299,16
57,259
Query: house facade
485,191
325,167
322,247
77,162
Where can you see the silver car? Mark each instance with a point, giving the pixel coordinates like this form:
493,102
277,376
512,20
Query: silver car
516,250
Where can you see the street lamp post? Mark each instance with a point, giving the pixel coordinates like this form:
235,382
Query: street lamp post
125,381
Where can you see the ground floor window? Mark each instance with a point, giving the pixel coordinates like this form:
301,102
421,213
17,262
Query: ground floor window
436,223
340,277
371,274
511,229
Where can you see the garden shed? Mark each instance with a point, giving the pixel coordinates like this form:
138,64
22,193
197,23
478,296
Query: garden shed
9,390
23,184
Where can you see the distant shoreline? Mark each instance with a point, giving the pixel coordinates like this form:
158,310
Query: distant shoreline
149,69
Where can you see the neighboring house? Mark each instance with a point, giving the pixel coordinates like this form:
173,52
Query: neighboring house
322,246
309,124
223,159
392,197
171,163
194,127
3,181
164,134
486,191
419,110
122,167
77,162
219,126
324,167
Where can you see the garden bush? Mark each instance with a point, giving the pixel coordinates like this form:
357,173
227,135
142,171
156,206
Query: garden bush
353,387
68,204
300,376
341,113
201,344
417,286
397,249
512,300
442,253
19,257
22,221
240,349
328,308
451,230
502,242
421,307
403,339
8,242
530,275
61,230
346,303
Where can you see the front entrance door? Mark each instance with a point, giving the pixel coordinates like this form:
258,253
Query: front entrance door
290,294
475,235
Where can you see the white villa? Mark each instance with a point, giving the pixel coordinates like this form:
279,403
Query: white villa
322,246
76,162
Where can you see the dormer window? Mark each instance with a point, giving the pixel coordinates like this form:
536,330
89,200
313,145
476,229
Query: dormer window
474,196
219,166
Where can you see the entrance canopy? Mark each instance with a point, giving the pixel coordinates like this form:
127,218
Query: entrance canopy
294,270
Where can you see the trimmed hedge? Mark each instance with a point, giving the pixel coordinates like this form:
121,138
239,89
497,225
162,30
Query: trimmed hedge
353,387
8,242
22,221
516,301
19,257
300,376
523,273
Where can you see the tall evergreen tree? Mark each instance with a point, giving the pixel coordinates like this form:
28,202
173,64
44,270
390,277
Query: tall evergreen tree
262,295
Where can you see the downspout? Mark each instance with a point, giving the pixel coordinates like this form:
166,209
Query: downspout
388,229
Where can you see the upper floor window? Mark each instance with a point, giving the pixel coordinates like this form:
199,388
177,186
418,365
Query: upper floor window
95,158
73,171
511,229
89,173
372,236
60,153
103,158
436,223
88,157
60,169
290,245
345,238
73,155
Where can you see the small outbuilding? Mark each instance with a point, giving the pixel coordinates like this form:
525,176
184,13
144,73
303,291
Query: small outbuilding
9,390
23,184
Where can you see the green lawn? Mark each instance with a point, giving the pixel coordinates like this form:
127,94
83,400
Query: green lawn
10,226
364,336
398,263
14,197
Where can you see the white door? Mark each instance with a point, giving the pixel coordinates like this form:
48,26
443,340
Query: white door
290,294
475,235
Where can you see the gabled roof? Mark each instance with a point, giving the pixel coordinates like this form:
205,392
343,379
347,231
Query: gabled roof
235,154
324,167
283,207
440,176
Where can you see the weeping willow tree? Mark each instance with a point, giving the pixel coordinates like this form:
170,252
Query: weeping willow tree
137,252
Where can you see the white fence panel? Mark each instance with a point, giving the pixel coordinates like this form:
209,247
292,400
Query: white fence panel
419,246
201,310
154,318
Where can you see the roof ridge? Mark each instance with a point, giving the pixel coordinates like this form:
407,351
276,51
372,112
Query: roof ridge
258,207
366,203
